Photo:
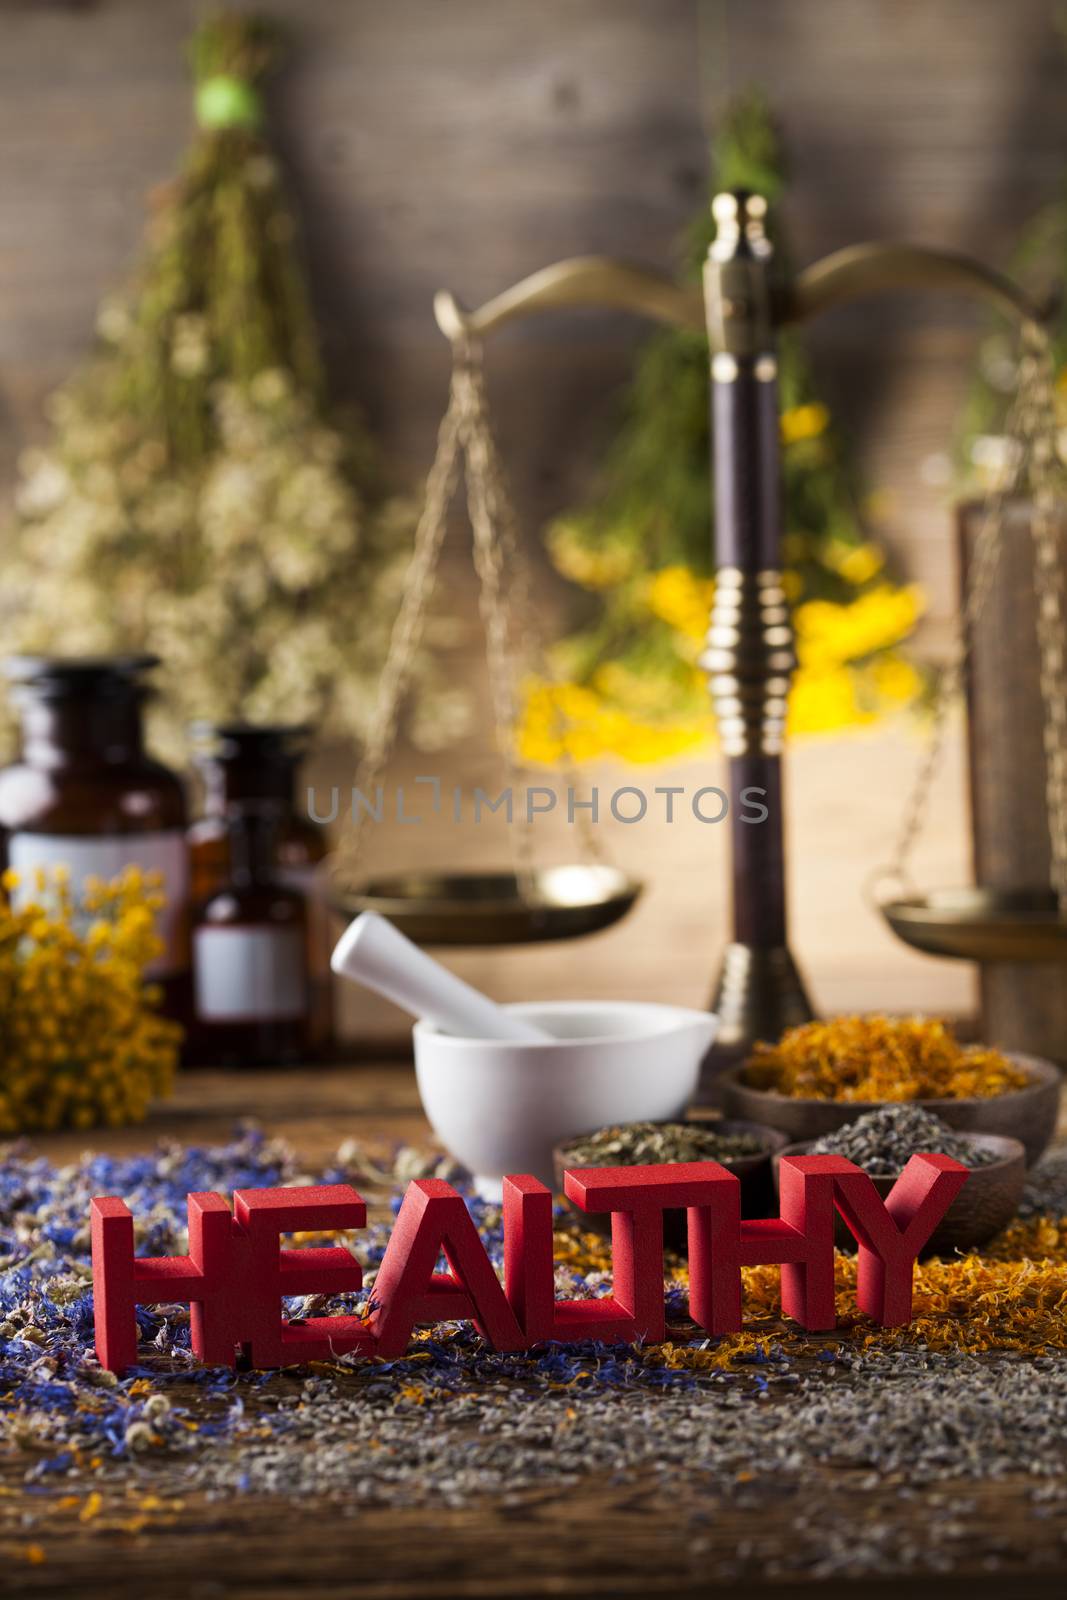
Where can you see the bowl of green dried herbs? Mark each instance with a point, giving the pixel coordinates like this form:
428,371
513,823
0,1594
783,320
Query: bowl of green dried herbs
744,1148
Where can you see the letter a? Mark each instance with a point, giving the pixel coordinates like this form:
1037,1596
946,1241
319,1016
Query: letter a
407,1290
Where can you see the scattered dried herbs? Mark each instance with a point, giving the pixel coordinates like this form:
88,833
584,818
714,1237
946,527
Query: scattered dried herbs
635,1144
883,1141
880,1058
975,1389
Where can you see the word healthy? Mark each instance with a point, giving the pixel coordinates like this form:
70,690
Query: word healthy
237,1272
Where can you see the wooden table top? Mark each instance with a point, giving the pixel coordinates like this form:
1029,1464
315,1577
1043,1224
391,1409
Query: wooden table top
601,1540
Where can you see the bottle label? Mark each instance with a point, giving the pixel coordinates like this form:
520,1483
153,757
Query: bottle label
106,856
249,974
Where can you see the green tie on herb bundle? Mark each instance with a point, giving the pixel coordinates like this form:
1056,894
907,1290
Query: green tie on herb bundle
627,683
197,496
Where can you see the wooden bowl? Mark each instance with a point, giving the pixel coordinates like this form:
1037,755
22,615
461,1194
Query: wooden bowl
1028,1114
754,1172
986,1203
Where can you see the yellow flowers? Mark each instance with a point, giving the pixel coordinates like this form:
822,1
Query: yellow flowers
849,671
570,720
803,422
829,633
856,563
81,1041
849,674
678,596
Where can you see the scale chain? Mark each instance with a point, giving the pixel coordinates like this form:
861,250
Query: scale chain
407,631
488,560
1030,428
464,433
503,519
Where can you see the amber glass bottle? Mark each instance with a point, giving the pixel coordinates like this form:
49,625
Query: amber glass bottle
242,762
84,792
251,998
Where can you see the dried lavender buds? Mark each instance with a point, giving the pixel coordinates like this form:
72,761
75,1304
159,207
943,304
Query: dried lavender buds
882,1142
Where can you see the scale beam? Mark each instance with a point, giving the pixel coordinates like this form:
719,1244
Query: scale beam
848,274
878,268
579,281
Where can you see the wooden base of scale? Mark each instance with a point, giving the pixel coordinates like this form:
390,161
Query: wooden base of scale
758,995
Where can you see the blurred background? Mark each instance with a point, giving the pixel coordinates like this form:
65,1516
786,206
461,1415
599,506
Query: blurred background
465,145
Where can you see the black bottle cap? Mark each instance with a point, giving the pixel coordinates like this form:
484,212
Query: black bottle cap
254,742
74,675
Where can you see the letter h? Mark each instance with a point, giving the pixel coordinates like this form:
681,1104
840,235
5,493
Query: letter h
233,1278
889,1235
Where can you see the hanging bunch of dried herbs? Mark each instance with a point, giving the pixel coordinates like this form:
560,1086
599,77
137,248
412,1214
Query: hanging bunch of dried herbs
198,497
627,680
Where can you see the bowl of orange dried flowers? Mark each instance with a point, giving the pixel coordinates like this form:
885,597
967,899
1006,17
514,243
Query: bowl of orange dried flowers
822,1075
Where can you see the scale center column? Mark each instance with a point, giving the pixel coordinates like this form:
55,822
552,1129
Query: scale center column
749,656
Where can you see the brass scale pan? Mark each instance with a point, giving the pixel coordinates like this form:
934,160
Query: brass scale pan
487,908
982,924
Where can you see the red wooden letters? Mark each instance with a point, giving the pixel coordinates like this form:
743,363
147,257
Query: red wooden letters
233,1277
237,1272
407,1290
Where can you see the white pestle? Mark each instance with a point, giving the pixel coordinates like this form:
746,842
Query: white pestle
374,953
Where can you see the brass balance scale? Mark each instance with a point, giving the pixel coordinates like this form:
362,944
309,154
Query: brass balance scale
749,657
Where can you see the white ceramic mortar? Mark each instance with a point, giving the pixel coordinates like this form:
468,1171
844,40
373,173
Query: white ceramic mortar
499,1106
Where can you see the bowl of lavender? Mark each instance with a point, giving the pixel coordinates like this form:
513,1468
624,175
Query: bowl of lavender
744,1148
883,1141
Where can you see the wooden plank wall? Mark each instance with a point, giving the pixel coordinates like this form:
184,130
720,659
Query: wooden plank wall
464,143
